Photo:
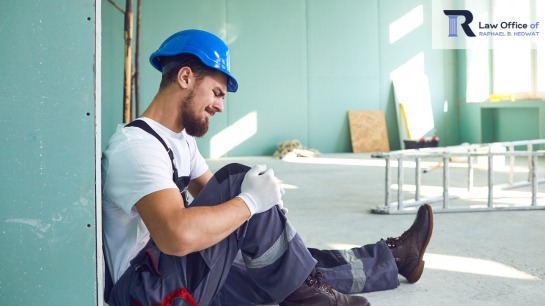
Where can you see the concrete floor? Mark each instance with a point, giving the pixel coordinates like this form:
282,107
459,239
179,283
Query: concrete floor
479,258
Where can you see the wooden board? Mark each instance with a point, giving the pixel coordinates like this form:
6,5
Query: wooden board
368,131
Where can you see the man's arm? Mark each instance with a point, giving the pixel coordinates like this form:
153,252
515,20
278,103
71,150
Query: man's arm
196,185
179,231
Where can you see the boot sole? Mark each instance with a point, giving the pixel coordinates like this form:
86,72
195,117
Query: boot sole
417,273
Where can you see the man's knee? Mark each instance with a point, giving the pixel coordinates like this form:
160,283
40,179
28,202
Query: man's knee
230,169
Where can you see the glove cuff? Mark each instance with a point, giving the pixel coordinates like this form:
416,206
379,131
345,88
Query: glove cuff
252,205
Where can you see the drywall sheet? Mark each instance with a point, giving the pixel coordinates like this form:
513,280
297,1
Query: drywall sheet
368,131
47,181
343,68
266,41
413,106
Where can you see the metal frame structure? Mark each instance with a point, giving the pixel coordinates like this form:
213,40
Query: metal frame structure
446,153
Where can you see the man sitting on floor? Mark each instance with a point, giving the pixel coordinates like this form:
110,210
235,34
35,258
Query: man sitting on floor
233,245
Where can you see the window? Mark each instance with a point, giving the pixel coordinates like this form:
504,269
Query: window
518,69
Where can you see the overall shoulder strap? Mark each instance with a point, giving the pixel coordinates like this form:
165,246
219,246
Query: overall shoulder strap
144,126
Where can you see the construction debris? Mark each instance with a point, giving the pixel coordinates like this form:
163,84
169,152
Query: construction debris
294,148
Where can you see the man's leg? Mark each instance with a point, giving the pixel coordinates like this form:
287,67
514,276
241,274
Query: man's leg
368,268
240,289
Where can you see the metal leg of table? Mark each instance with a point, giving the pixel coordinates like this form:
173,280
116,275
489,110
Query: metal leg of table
418,178
445,182
490,181
530,149
511,165
469,173
400,184
534,180
388,183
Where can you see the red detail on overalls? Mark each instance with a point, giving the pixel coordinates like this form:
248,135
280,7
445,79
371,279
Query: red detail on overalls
153,260
178,293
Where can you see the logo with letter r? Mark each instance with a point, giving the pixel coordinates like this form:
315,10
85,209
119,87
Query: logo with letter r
453,23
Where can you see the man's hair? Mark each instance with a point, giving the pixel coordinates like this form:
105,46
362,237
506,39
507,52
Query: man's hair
199,69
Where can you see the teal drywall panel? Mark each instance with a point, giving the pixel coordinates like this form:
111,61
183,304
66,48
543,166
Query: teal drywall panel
510,124
343,68
520,120
47,182
470,122
268,57
439,66
488,125
112,69
517,124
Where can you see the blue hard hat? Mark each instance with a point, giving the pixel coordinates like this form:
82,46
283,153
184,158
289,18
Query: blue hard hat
209,48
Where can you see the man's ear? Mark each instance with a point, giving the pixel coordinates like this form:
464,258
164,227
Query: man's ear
183,77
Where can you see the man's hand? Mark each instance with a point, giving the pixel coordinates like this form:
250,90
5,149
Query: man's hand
260,189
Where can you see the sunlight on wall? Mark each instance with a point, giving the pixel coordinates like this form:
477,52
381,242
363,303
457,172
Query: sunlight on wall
414,66
234,33
234,135
406,23
474,266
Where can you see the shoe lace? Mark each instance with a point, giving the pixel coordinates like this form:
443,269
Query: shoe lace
393,242
317,278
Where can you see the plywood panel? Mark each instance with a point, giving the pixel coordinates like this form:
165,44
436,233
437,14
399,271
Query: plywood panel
368,131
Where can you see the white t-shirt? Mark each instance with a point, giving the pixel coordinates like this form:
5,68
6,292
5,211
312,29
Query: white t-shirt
134,165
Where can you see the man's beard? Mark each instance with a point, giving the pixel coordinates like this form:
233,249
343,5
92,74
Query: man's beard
194,124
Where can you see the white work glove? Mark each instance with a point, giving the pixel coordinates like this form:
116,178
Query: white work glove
282,208
260,190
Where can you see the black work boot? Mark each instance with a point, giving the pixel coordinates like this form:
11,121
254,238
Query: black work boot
408,249
315,293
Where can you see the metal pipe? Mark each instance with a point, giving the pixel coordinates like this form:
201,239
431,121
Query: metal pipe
490,181
447,154
445,182
511,165
128,63
534,181
388,182
470,173
457,210
530,149
137,60
418,176
116,6
400,184
428,201
466,147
